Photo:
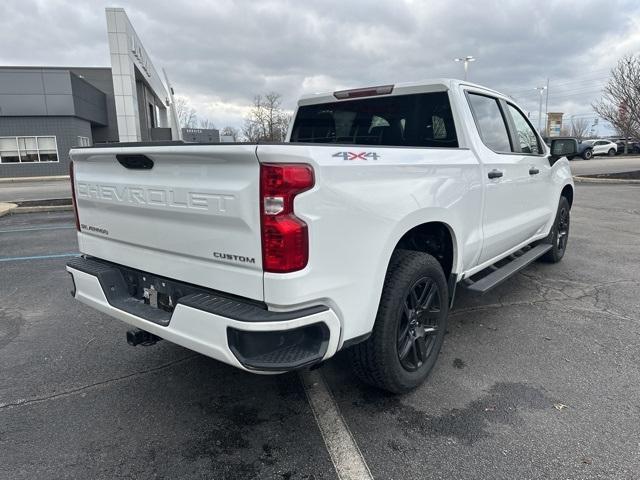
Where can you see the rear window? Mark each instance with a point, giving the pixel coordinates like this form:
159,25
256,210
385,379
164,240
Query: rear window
421,120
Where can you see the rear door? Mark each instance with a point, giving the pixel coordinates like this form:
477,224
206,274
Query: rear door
506,221
186,212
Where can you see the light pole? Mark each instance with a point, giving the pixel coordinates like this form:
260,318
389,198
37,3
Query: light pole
466,61
541,90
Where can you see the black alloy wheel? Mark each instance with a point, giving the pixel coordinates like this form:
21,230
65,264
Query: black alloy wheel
562,228
559,235
410,324
419,324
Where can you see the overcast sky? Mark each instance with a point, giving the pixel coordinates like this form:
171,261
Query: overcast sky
220,53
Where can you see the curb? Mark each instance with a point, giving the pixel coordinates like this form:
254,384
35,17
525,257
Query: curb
6,208
610,181
34,179
46,208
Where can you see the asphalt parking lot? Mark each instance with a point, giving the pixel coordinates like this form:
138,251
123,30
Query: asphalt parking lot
538,379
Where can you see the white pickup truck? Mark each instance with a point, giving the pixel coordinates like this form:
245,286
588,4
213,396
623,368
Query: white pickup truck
352,234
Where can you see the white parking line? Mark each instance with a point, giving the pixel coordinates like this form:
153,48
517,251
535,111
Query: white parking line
343,450
39,257
35,229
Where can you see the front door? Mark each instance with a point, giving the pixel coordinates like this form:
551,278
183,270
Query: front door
539,195
600,147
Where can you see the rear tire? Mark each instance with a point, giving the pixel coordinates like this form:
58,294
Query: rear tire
559,235
611,152
409,327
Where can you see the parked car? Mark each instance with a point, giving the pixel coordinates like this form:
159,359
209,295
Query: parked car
602,147
584,147
354,234
633,146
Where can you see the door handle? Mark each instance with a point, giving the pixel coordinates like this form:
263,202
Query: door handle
135,162
495,174
533,171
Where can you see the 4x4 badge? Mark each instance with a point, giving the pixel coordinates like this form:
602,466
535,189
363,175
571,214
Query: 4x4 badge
357,155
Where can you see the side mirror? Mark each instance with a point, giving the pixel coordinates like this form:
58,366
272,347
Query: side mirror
563,147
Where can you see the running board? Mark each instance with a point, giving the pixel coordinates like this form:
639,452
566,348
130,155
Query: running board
499,275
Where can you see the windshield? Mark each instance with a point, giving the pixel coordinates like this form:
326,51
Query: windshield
420,120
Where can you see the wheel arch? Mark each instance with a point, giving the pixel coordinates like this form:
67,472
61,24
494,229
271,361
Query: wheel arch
567,192
437,238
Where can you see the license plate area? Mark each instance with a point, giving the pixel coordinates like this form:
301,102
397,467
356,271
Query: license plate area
155,292
153,297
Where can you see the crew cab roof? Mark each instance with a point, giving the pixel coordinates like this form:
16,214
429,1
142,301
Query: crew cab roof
424,86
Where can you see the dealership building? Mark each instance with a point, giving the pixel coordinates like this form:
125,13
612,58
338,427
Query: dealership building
45,111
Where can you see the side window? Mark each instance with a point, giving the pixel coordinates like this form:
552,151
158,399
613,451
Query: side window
526,136
490,122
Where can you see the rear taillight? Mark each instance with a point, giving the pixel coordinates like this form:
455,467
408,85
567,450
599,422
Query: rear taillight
285,240
73,195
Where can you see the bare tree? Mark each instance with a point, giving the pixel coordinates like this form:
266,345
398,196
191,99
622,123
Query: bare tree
580,127
232,132
187,115
267,120
251,131
620,102
206,123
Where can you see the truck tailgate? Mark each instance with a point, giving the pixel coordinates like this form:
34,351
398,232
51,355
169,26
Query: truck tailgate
193,216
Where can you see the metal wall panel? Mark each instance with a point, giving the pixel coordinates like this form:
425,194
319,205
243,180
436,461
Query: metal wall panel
31,104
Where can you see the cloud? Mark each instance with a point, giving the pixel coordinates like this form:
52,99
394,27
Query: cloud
221,53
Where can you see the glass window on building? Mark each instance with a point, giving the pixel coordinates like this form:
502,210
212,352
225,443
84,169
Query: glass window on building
48,149
9,150
28,149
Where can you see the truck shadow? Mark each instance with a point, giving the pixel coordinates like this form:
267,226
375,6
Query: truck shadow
229,423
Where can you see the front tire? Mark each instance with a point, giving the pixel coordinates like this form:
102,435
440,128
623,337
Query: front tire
409,327
559,235
587,154
611,152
